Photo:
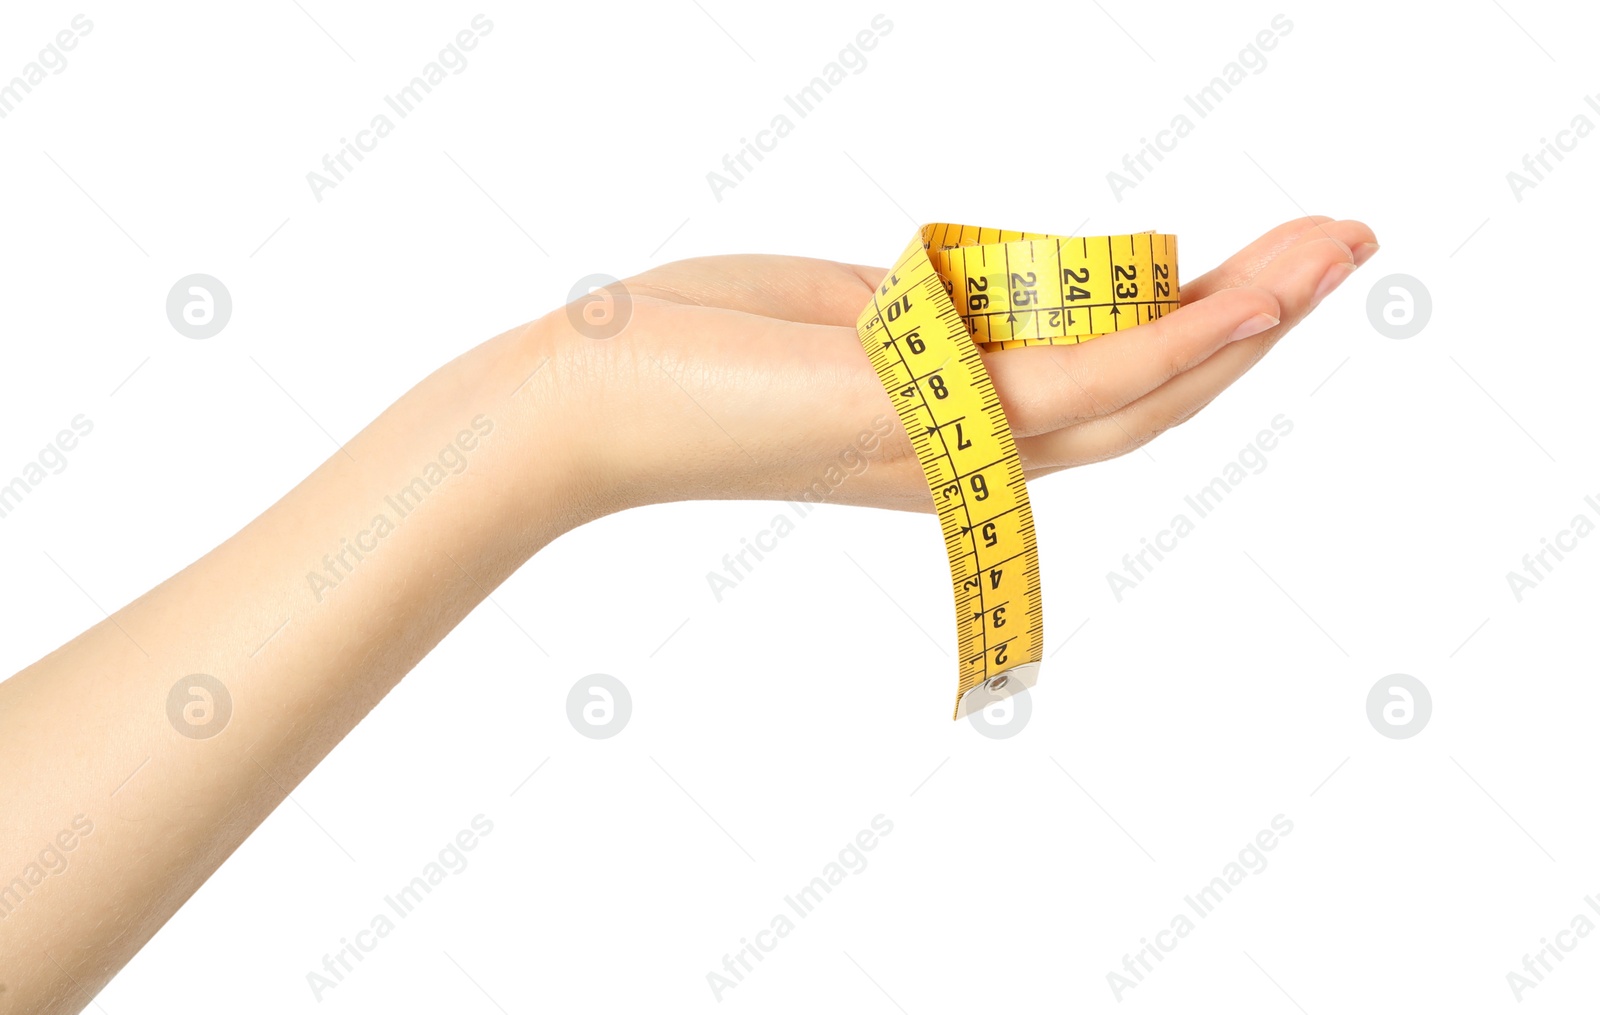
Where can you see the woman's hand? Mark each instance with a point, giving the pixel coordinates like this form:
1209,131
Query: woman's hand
742,377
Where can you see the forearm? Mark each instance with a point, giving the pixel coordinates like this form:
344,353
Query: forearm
307,617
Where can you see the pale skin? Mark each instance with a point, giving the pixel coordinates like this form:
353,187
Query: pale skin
736,377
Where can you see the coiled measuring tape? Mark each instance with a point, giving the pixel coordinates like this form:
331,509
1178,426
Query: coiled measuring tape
957,288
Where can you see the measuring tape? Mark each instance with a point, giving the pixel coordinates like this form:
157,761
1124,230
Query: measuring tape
957,288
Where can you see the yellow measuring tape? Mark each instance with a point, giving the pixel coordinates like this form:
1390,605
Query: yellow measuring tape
957,288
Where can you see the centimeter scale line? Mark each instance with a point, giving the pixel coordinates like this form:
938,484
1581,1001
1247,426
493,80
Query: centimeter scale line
957,289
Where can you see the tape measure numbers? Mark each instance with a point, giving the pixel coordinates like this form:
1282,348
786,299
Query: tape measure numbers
957,288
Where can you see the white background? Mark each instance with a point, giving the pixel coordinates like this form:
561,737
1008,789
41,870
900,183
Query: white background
770,728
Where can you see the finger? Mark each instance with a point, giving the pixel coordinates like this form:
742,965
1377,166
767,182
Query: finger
1240,268
1243,268
1301,277
802,289
1299,280
1046,388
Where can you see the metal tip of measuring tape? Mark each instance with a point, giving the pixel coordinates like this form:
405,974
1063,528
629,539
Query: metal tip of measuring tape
997,688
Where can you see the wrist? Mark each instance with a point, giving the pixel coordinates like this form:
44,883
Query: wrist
546,467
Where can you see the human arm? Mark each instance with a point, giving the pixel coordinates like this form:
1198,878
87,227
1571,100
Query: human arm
735,377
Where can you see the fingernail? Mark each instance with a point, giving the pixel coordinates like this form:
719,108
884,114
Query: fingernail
1363,252
1254,326
1336,274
